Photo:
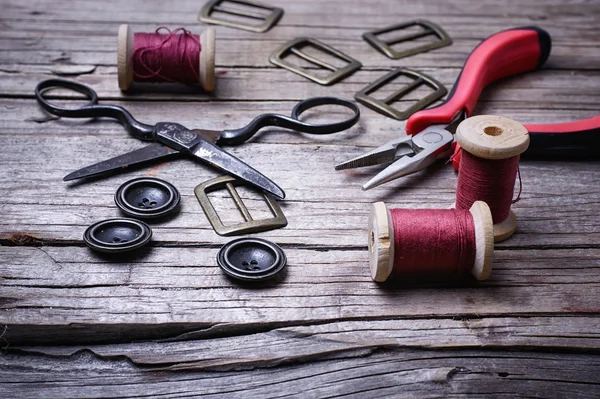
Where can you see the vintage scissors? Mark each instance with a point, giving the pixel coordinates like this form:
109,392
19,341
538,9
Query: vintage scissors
431,131
172,139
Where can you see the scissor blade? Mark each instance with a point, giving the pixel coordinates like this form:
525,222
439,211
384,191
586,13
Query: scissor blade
151,152
220,159
385,153
211,135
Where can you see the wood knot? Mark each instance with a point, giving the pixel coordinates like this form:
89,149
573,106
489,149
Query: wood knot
21,238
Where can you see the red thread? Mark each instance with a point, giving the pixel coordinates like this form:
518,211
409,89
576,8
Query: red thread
491,181
166,57
433,240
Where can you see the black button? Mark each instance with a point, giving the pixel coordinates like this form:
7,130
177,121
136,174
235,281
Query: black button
117,235
147,198
251,259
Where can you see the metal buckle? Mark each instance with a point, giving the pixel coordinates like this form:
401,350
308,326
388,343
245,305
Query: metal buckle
250,225
383,107
268,20
294,47
429,28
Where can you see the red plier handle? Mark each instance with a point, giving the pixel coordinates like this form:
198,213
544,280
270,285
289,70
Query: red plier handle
503,54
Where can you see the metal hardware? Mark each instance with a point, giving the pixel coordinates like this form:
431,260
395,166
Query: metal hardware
250,225
407,154
383,106
294,47
217,5
429,29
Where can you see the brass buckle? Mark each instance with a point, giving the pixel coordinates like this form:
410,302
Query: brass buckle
383,106
294,47
250,225
429,28
216,5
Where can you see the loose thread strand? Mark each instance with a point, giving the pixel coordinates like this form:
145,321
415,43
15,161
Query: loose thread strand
166,56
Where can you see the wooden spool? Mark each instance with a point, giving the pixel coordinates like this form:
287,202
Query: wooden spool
494,137
381,241
206,59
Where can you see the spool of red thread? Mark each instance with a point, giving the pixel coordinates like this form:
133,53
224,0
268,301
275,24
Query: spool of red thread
407,241
491,147
187,56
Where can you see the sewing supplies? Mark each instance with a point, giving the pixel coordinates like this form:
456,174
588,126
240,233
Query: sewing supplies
147,198
384,106
295,46
266,14
425,28
430,241
491,146
117,235
172,139
491,60
166,56
250,225
251,259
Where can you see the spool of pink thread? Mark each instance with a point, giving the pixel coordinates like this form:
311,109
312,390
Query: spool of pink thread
166,56
425,241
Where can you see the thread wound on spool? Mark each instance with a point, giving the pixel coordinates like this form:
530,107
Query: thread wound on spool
430,240
433,240
490,181
491,146
166,56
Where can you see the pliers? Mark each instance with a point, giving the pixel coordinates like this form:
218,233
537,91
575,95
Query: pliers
430,132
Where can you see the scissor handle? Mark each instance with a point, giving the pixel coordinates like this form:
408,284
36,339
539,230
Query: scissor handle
238,136
92,109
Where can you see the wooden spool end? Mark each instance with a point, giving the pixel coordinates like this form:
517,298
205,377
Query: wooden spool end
206,60
381,242
124,50
494,137
484,240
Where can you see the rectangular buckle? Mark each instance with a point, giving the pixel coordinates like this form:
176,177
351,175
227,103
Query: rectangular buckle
250,225
383,106
216,5
429,28
294,47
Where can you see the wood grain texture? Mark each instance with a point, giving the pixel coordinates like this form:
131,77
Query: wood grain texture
167,322
404,373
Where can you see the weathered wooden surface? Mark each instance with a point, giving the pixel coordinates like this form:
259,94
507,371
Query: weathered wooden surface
168,323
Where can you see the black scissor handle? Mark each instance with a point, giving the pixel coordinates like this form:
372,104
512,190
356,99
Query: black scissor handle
90,110
238,136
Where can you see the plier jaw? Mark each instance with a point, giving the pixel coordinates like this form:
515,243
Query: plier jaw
407,155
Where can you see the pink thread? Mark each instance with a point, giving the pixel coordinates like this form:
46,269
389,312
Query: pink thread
433,240
490,181
166,57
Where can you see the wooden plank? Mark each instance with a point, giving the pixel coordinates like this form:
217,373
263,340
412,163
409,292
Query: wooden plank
40,204
406,373
93,297
58,50
204,350
347,14
549,89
